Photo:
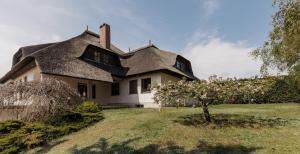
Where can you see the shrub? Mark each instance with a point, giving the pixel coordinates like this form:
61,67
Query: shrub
20,136
67,117
88,107
277,89
35,138
8,126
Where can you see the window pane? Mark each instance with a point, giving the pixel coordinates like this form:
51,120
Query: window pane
82,90
97,56
183,67
25,79
115,89
178,64
94,91
133,87
146,85
105,59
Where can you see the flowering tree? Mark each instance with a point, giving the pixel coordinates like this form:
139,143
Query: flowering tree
213,91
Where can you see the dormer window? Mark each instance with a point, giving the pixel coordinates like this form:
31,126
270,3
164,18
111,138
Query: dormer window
105,59
97,56
183,65
101,58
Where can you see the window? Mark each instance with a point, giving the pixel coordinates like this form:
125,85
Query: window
146,85
183,66
178,64
115,89
25,79
101,58
133,87
82,90
94,91
105,59
97,56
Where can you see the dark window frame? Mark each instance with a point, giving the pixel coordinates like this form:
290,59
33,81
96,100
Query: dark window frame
133,87
25,79
146,87
85,89
105,59
94,89
115,89
97,57
101,57
183,66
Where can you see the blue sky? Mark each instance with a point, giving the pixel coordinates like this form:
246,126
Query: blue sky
216,35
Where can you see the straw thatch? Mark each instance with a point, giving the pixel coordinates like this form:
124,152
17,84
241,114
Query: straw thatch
64,58
151,58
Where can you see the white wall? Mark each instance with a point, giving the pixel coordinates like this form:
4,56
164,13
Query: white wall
145,99
103,89
32,74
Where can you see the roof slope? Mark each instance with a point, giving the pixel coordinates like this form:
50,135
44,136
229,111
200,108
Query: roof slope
27,50
151,58
63,58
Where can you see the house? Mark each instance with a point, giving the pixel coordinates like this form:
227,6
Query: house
100,71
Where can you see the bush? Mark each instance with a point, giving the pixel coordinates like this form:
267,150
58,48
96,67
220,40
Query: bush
19,136
11,125
88,107
277,89
67,117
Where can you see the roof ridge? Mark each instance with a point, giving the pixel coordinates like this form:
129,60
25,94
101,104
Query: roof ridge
37,45
91,33
139,49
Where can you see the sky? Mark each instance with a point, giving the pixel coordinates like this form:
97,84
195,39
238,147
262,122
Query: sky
215,35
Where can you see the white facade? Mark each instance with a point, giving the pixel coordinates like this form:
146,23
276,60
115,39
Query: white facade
145,99
103,89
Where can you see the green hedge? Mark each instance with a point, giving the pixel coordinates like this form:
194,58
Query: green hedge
279,89
16,136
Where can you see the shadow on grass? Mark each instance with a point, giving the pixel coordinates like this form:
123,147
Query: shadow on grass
102,147
232,120
46,148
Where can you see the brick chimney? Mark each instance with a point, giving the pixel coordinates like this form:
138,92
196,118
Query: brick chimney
105,36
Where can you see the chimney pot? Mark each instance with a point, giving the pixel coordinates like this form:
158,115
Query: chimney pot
105,36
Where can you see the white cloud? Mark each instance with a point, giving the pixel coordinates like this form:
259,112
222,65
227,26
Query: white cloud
210,7
218,57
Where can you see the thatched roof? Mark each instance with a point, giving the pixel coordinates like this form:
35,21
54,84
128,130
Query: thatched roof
63,58
149,59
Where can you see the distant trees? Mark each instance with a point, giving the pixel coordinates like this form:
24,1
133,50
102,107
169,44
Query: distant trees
31,101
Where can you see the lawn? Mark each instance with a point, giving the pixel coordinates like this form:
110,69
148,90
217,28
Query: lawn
265,128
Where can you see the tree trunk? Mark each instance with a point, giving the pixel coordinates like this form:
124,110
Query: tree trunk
206,112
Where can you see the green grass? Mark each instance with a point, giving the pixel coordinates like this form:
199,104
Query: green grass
265,128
